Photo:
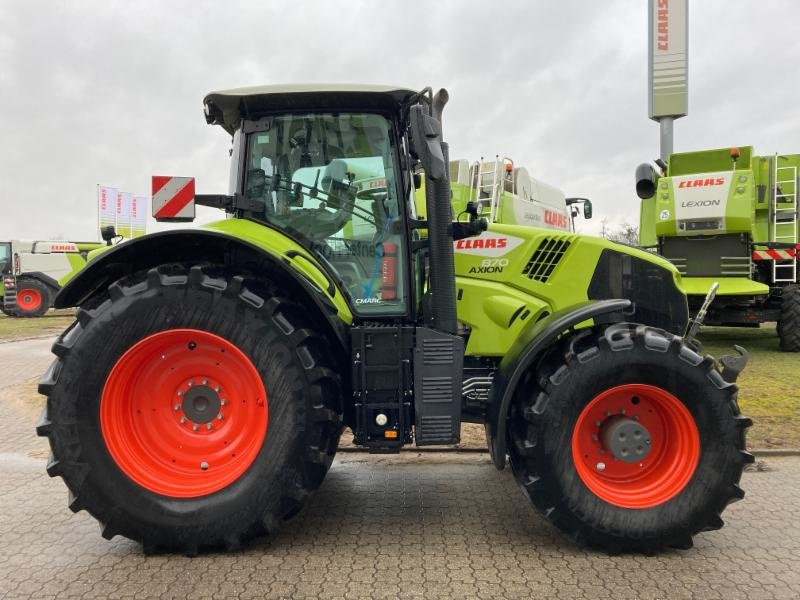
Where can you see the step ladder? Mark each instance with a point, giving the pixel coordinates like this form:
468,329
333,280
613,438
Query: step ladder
487,179
784,219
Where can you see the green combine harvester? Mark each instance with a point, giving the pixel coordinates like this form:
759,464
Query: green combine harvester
730,217
198,399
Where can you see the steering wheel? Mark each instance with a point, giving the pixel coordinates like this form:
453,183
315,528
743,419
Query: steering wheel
322,222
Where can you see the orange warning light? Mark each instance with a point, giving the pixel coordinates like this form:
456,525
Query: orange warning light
390,434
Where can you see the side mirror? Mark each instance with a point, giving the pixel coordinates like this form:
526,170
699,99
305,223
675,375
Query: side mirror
587,209
108,233
645,181
426,140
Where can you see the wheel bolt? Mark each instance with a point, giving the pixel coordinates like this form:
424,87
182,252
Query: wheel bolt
209,426
598,423
177,407
205,381
218,389
220,416
195,427
180,392
601,466
223,402
190,383
183,419
204,465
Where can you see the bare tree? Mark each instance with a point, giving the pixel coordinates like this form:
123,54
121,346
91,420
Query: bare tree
624,233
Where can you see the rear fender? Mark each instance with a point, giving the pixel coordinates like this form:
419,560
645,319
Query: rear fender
201,247
526,350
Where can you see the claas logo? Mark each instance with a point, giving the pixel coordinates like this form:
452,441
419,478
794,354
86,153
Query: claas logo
692,183
476,243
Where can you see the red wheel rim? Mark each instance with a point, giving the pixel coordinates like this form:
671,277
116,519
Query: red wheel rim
665,469
29,299
184,413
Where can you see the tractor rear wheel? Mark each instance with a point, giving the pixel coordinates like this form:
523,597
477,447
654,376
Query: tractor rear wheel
789,322
629,440
189,412
34,298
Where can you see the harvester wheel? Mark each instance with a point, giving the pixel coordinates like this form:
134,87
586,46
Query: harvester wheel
629,440
34,298
5,311
190,411
789,323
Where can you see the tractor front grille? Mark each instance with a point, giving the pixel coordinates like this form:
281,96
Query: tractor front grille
546,258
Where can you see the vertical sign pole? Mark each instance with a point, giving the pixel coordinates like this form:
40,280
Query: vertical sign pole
666,137
668,68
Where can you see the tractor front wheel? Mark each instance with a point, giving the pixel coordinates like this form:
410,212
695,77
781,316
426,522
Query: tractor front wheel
629,440
190,411
789,322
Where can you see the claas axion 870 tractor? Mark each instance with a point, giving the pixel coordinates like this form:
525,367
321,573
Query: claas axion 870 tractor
198,399
730,217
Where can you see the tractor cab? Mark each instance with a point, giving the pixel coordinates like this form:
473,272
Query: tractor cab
325,169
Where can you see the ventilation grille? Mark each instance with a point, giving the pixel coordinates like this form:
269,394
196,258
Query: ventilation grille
545,259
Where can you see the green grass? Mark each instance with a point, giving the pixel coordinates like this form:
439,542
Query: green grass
52,323
769,388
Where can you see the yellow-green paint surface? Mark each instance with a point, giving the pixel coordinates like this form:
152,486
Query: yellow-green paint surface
728,286
278,245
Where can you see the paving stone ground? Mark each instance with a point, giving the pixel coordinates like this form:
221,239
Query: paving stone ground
438,526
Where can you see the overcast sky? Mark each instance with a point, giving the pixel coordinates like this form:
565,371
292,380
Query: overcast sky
111,92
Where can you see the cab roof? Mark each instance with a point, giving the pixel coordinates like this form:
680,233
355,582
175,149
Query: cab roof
228,107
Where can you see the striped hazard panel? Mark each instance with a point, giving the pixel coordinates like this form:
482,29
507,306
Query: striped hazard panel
173,198
775,254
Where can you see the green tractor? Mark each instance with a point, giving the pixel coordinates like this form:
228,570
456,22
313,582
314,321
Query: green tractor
198,399
730,217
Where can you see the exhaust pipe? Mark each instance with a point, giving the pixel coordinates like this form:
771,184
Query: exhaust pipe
433,153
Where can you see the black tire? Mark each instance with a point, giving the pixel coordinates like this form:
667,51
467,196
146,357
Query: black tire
304,399
549,403
789,322
45,293
5,311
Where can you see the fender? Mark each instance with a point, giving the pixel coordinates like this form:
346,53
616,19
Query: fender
43,277
200,246
534,340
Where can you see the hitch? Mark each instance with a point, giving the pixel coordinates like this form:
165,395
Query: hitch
733,364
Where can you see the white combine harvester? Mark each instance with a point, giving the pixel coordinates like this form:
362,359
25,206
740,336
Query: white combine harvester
503,193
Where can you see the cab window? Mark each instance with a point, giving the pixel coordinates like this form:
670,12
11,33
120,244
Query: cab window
329,180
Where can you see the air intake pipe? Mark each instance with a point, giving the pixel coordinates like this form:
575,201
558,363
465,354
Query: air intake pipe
426,133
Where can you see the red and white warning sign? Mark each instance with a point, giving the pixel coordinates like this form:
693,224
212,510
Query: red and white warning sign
774,254
173,198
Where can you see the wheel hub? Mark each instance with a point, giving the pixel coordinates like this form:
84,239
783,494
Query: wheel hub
626,439
201,404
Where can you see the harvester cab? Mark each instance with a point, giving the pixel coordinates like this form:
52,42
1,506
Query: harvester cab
731,217
199,398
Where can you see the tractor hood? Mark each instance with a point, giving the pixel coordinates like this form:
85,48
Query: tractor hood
228,107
